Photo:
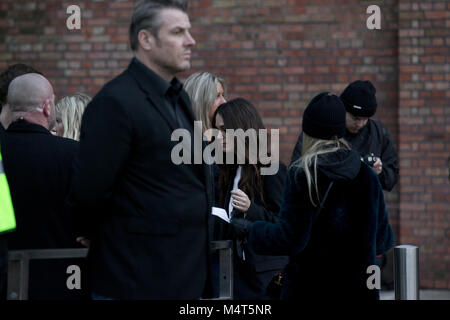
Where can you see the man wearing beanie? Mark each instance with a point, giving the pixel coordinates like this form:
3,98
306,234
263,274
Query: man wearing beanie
365,135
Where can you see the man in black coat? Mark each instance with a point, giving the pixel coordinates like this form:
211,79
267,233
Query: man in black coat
6,77
148,227
365,135
38,166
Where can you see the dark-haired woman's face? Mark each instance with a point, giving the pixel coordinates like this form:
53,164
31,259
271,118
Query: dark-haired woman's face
220,125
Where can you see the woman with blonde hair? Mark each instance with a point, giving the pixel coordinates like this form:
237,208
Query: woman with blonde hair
333,221
69,112
207,92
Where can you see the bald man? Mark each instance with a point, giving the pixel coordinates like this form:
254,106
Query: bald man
31,97
6,77
38,166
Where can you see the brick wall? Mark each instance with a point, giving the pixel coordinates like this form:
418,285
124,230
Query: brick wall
424,135
279,54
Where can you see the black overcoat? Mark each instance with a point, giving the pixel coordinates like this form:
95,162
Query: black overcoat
329,252
38,167
146,215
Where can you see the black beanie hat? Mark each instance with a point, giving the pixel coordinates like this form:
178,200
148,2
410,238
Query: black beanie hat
324,117
359,98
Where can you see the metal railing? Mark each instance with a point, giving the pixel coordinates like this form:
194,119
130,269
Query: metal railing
19,267
406,269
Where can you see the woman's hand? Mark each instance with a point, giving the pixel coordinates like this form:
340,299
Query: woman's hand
240,200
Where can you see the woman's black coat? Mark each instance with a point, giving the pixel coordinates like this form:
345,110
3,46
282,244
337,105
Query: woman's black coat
329,252
252,275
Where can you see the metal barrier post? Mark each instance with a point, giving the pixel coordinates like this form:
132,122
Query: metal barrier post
406,272
19,267
225,268
18,272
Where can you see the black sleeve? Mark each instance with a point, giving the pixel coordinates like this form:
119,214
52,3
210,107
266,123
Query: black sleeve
273,193
292,232
297,153
389,174
384,234
105,144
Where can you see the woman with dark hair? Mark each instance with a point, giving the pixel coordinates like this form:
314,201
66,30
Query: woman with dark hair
333,221
243,192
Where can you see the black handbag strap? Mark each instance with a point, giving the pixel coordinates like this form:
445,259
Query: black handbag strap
323,201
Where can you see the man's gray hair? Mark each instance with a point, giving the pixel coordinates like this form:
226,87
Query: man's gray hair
146,16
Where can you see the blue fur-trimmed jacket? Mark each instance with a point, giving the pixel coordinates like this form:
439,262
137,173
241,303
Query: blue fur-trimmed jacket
330,251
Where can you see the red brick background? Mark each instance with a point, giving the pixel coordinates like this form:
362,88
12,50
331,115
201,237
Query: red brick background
424,135
279,54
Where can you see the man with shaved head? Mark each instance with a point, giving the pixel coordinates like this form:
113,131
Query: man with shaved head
38,166
6,77
30,96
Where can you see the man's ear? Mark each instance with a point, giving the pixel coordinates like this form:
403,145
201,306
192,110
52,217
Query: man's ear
46,110
146,39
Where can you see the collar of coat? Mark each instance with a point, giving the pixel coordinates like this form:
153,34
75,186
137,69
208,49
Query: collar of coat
22,125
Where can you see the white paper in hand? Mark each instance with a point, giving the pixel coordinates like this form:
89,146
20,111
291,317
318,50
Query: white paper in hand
221,213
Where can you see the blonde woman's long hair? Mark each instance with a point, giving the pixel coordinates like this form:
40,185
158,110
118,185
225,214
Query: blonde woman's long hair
201,88
311,149
71,109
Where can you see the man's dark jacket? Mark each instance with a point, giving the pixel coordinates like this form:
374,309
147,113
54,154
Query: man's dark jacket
148,215
38,167
372,138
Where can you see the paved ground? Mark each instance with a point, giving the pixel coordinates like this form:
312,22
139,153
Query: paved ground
424,295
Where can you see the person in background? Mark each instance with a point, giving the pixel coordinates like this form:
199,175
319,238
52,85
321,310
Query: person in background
369,137
69,112
333,221
38,166
7,224
371,140
206,92
245,193
6,77
146,217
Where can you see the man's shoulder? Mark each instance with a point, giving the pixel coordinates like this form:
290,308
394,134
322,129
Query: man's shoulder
64,146
378,125
118,85
119,91
21,145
